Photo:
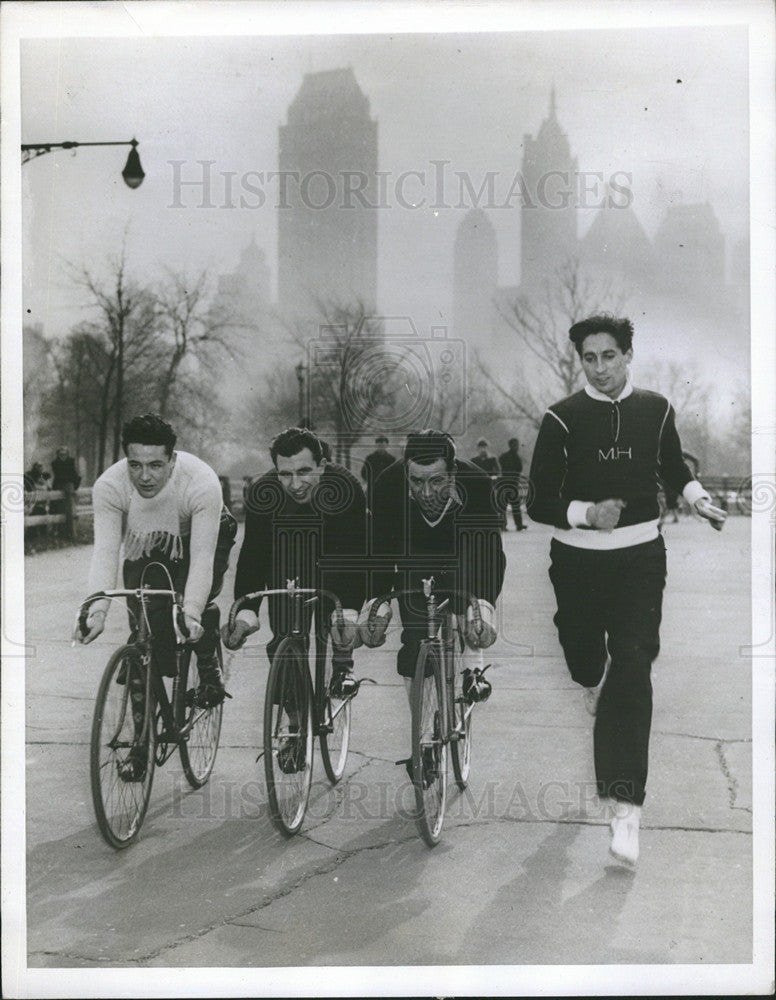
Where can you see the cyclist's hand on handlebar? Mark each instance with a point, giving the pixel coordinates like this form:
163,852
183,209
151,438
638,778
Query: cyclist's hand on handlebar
487,635
246,623
377,636
348,635
95,623
193,627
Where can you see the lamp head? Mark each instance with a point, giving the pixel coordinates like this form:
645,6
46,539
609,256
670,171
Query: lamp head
133,173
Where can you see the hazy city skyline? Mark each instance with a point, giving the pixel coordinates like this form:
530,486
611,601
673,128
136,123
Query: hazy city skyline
445,105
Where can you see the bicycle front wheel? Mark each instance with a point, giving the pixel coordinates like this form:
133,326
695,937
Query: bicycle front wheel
335,724
461,715
288,737
203,725
429,755
122,748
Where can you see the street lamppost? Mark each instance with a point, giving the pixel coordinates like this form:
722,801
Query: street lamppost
300,370
132,173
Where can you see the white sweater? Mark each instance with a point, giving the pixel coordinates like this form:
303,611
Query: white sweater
186,509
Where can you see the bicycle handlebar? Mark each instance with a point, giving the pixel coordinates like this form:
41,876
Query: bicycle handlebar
289,591
386,599
140,594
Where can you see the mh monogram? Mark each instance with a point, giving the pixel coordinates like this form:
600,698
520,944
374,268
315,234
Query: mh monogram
614,456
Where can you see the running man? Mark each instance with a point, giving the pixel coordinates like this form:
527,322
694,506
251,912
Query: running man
594,477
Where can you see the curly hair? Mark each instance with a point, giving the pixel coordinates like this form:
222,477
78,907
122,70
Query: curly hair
293,440
619,328
148,429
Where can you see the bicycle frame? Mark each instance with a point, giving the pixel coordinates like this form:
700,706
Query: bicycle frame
172,735
298,633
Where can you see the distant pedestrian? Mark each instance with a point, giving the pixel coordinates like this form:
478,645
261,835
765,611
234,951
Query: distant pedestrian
511,469
65,473
374,463
67,480
490,466
595,475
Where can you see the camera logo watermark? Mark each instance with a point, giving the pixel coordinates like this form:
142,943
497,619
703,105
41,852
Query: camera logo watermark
390,379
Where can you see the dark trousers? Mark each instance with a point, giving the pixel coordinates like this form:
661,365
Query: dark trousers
612,600
159,613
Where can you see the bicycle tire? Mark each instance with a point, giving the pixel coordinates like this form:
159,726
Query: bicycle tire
288,690
198,751
120,805
334,713
461,716
429,753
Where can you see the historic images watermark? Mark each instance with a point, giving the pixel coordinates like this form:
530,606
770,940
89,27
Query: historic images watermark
203,184
359,801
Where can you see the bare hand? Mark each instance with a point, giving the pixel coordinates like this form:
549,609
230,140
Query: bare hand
487,634
605,516
346,636
95,623
242,629
194,628
714,515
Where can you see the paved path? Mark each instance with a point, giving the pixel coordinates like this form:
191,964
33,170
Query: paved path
522,877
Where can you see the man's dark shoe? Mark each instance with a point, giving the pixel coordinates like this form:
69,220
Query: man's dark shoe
475,686
291,755
343,684
210,690
133,767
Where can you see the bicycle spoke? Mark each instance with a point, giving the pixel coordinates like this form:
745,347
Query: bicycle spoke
288,739
429,753
335,736
122,750
201,726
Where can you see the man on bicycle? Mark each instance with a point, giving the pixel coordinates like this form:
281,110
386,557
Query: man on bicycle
305,519
434,515
164,507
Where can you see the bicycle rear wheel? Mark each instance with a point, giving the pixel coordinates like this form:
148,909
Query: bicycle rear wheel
198,752
461,716
288,738
121,758
335,723
429,755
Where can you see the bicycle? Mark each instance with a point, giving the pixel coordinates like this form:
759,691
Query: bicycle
127,745
298,708
442,700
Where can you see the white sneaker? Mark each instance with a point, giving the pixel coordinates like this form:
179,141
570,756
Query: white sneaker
625,832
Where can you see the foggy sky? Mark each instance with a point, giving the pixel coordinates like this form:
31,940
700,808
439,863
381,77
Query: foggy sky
467,99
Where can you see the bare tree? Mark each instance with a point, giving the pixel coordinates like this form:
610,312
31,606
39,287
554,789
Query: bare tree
122,340
541,323
191,331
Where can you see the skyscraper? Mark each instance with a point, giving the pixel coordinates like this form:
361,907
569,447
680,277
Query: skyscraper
549,214
475,264
327,233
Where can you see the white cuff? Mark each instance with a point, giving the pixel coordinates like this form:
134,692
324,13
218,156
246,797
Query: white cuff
248,617
577,513
694,491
